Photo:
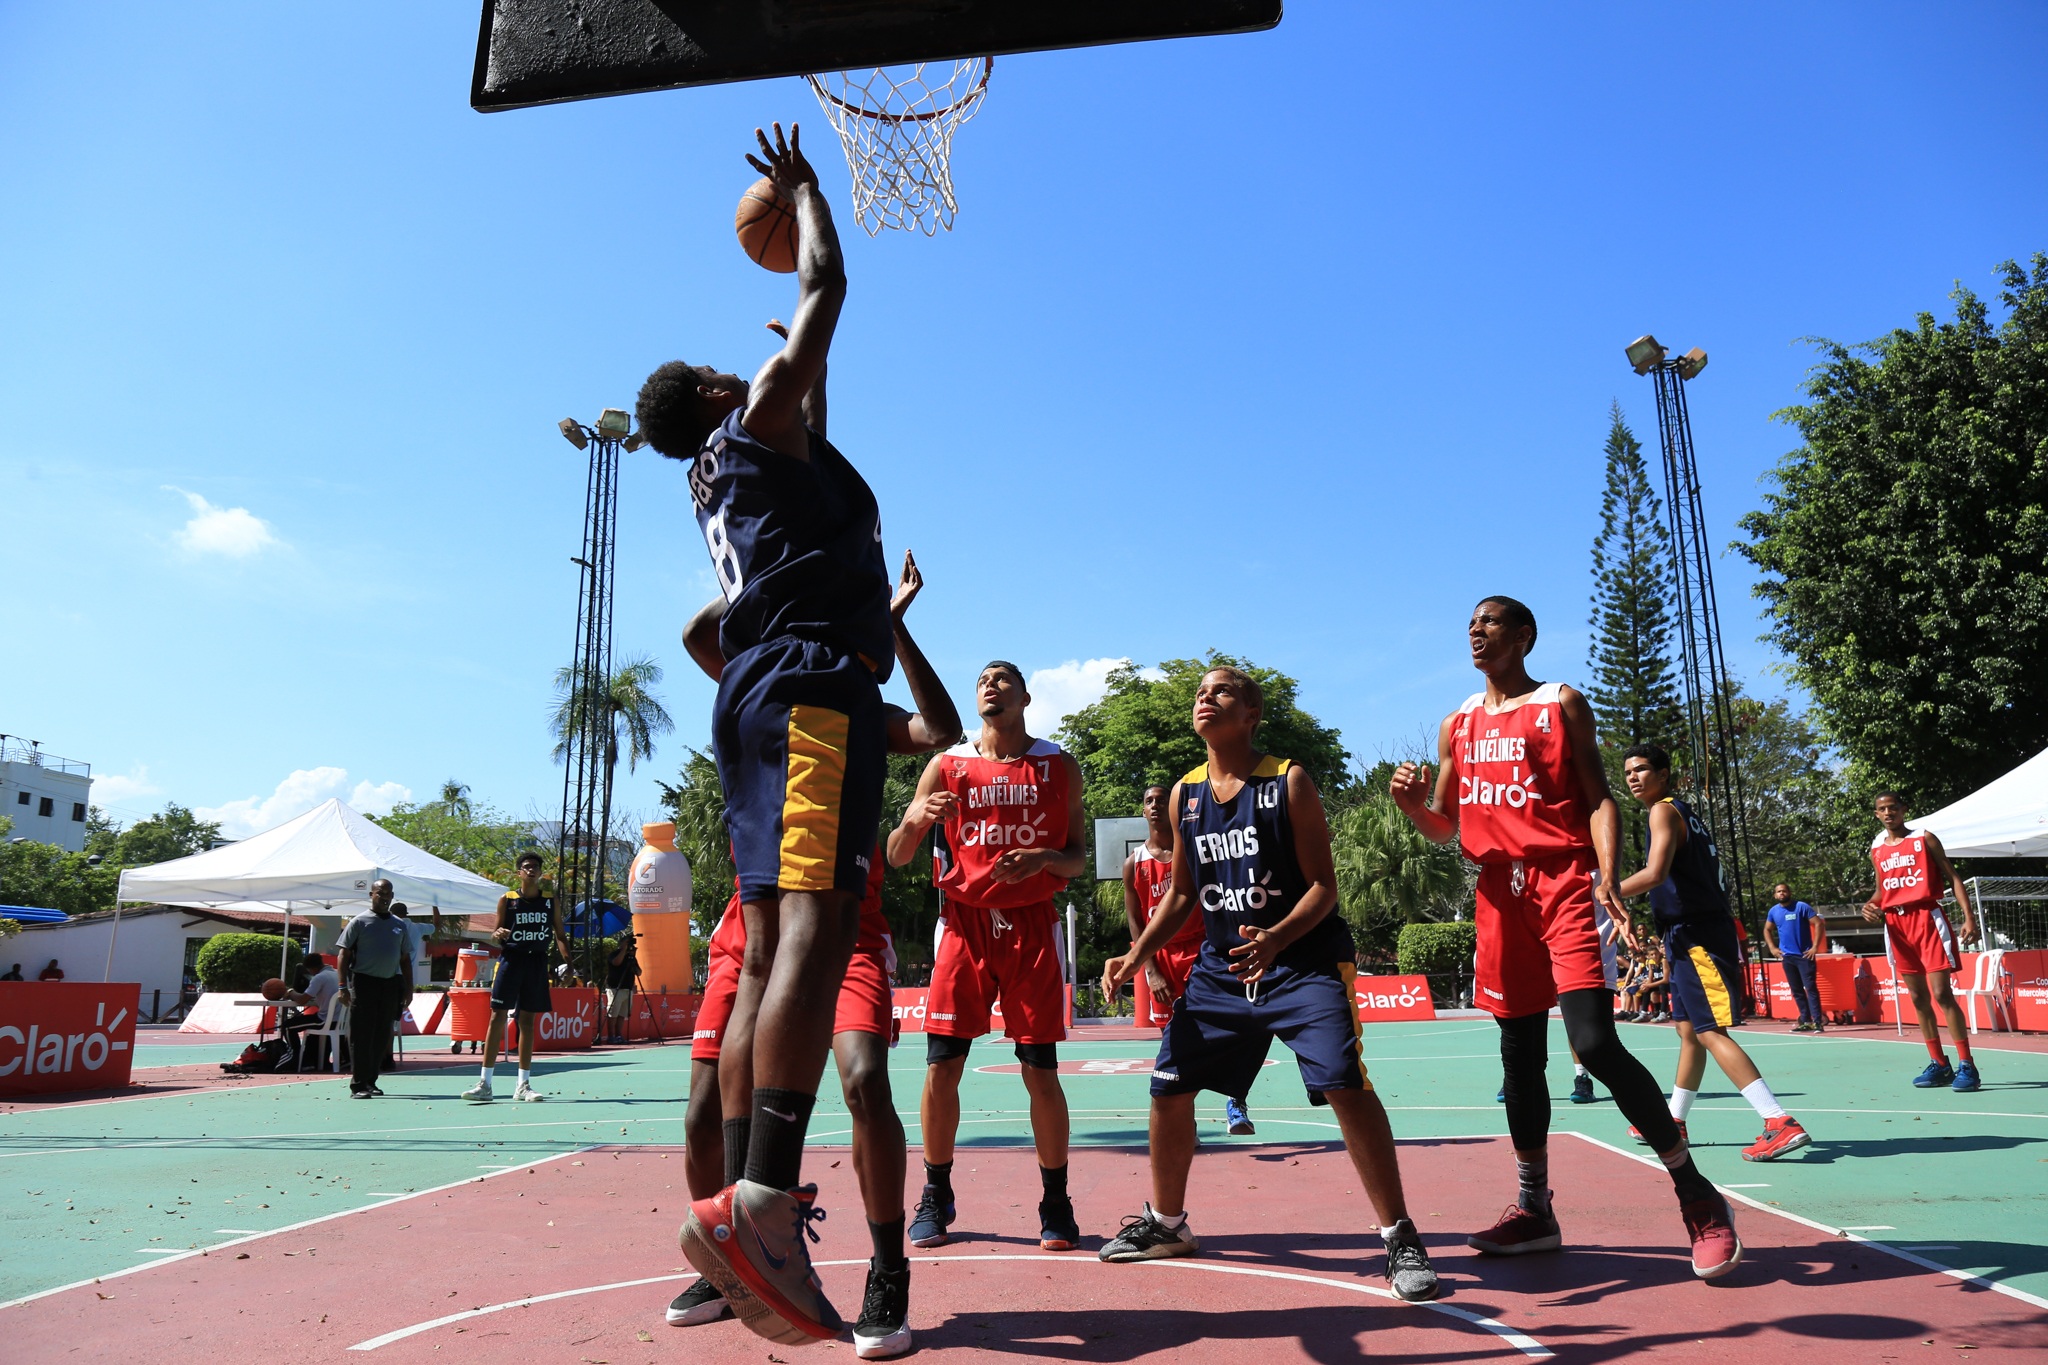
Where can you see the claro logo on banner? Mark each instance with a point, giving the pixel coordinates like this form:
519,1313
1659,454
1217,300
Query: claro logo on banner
1382,998
65,1036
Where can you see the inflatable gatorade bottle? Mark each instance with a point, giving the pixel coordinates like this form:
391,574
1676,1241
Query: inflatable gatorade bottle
658,890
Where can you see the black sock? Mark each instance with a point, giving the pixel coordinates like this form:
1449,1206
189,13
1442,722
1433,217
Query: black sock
1687,1181
1054,1179
888,1240
775,1149
736,1133
940,1177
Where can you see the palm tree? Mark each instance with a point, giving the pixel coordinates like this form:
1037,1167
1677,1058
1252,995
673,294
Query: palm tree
455,798
1388,874
623,701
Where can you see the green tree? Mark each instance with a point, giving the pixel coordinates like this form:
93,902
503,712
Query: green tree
173,832
1904,548
1632,691
622,702
474,836
455,797
1389,875
1804,826
53,878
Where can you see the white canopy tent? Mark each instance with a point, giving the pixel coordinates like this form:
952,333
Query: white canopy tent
319,864
2004,819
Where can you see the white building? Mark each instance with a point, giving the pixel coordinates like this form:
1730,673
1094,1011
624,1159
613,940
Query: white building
46,796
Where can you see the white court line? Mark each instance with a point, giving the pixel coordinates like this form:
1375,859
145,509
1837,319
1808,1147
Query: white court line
1848,1234
157,1251
1868,1227
347,1132
289,1227
1528,1346
238,1232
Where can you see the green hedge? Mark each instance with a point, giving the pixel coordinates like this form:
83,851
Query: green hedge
1438,949
243,962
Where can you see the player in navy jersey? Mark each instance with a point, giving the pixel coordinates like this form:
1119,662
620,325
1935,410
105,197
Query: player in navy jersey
526,923
1252,851
799,733
1682,877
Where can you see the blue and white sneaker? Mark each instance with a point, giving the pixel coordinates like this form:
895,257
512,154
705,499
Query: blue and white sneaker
1238,1118
1937,1074
1967,1078
928,1223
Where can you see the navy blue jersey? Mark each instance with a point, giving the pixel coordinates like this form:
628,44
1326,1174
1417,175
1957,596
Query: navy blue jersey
1692,892
533,926
1242,852
797,546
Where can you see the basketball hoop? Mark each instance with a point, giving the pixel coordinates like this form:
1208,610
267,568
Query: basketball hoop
896,125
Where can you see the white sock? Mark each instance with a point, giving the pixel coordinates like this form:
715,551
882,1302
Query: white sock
1681,1101
487,1075
526,1075
1174,1221
1579,1069
1758,1093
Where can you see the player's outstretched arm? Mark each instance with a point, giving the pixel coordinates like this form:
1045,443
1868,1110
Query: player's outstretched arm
1431,809
929,806
936,722
814,401
1938,856
1174,908
775,402
700,638
1262,947
1581,732
1667,832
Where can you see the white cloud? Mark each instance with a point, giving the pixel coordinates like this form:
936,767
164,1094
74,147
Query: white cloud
118,789
1063,689
299,793
234,532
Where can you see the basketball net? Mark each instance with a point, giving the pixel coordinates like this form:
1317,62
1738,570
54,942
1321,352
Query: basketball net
896,125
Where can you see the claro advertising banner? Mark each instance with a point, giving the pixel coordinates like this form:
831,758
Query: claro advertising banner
61,1035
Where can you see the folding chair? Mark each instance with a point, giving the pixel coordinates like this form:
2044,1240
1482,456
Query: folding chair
333,1028
1989,981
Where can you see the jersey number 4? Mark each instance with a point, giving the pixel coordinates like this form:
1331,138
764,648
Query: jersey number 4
724,562
1542,716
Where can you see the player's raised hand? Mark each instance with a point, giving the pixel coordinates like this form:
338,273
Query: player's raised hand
785,166
927,811
1409,787
1251,959
907,588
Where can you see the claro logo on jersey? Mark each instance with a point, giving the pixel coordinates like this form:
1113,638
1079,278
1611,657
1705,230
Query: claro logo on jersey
1900,872
993,833
1240,900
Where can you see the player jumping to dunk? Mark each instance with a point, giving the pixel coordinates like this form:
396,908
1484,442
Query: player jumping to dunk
1910,865
1252,857
1521,787
798,729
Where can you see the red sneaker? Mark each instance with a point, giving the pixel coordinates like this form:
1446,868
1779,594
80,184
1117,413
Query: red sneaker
1518,1233
1716,1249
1637,1134
1781,1135
710,1245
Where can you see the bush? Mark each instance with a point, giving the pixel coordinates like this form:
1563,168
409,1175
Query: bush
243,962
1438,949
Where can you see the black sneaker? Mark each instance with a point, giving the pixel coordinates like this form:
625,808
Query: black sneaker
933,1215
699,1304
1409,1273
1057,1230
1144,1238
1582,1090
883,1329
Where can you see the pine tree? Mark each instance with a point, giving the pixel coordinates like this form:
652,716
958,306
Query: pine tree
1633,692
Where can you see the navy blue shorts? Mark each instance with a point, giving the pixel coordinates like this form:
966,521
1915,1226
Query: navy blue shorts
522,985
1217,1039
1706,974
802,747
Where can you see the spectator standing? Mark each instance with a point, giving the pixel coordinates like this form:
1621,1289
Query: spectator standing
622,969
14,974
376,983
1797,934
51,973
417,933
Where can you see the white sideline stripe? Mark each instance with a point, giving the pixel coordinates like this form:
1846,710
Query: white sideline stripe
348,1132
1528,1346
289,1227
1868,1227
238,1232
158,1251
387,1194
1847,1234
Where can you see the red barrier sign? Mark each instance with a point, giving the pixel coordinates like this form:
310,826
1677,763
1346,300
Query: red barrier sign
1385,998
672,1018
570,1026
60,1035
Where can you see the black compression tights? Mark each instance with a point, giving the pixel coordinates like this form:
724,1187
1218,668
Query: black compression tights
1589,1025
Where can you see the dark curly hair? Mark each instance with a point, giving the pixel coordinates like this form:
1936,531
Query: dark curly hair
1516,615
673,416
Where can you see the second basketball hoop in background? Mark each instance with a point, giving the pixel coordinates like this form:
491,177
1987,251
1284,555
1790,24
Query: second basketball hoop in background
766,224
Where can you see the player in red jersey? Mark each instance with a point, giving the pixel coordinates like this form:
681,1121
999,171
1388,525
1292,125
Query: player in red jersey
1008,832
721,1080
1148,874
1910,866
1521,787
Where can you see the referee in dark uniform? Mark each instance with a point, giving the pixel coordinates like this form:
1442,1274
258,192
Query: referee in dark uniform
376,985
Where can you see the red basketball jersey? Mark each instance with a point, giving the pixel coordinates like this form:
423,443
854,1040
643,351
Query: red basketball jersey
1019,804
1905,874
1154,875
1518,788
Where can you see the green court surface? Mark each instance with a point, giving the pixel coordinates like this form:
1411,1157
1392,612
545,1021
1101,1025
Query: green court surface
99,1187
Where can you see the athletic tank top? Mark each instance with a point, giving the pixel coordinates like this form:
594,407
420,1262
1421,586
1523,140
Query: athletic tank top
1692,892
1245,869
1153,875
1905,874
1518,788
797,546
1018,804
533,926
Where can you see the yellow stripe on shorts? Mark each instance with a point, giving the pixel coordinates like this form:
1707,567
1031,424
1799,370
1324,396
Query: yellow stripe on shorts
1714,985
811,802
1349,972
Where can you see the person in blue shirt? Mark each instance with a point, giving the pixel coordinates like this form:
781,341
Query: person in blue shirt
1797,934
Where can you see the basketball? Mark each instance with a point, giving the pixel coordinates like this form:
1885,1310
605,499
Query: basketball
766,225
273,989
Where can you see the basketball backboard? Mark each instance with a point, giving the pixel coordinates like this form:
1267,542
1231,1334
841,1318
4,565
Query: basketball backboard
532,52
1114,840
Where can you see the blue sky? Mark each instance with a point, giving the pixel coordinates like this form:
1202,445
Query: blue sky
1290,345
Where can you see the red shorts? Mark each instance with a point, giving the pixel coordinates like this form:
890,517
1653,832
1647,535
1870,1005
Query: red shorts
864,996
1537,936
1920,941
1174,964
1004,958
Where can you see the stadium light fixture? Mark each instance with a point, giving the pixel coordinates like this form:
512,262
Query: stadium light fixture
572,432
1644,354
1691,363
613,422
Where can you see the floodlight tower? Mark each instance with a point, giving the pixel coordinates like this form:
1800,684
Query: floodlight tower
1709,705
586,776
